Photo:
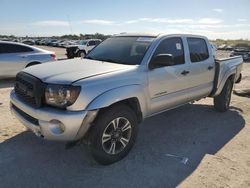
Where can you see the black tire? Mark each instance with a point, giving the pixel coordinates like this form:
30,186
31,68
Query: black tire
103,124
222,101
81,53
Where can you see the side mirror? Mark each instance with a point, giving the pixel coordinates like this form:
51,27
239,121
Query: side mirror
161,60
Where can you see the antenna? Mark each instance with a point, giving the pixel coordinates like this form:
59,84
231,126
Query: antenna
70,26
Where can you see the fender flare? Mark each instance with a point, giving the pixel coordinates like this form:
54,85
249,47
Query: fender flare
229,73
119,94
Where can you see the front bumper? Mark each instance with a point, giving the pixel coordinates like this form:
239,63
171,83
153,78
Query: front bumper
51,123
71,52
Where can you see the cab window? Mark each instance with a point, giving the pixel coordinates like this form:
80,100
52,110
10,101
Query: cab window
173,46
91,43
198,49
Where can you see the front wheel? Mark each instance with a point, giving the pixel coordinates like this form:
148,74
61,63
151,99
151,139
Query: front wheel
81,54
113,134
222,101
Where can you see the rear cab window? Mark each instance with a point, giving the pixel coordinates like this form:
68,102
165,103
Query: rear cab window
198,49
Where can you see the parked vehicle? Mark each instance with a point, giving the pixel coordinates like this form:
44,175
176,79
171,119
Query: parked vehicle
225,47
37,41
28,42
102,98
56,43
67,43
16,56
50,42
244,52
81,49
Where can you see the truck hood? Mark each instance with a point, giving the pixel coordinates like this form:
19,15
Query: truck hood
69,71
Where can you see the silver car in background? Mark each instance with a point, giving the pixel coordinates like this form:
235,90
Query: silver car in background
16,56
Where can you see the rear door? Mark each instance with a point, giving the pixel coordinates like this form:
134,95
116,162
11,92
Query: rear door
168,86
202,67
13,58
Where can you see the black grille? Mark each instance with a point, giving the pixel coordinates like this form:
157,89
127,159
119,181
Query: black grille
71,51
29,89
27,117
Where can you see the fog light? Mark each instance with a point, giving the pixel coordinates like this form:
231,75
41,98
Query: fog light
56,127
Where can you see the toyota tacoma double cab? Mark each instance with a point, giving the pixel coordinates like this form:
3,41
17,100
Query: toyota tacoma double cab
81,49
103,98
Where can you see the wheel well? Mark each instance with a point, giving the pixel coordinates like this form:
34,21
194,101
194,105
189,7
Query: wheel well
81,50
231,78
134,104
33,63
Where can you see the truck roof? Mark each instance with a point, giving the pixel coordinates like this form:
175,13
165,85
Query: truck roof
136,35
155,35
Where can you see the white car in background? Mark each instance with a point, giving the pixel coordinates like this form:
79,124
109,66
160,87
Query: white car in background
16,56
82,48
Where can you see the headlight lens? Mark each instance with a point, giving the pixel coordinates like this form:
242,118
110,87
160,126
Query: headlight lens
60,95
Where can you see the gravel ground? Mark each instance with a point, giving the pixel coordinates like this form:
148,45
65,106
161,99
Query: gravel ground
217,146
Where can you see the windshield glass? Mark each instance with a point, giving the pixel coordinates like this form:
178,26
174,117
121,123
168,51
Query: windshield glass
83,42
121,50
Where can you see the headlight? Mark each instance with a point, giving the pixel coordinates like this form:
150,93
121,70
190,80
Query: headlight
60,95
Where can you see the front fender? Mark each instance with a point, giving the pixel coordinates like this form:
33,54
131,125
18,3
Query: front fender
118,94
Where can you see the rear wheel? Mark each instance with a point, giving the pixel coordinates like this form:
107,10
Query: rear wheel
222,101
113,134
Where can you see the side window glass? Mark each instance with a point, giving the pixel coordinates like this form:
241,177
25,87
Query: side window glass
173,46
91,43
13,48
198,49
97,42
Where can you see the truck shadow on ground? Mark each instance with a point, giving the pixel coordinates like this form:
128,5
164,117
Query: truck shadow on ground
191,131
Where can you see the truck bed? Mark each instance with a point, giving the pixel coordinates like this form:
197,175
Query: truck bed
224,67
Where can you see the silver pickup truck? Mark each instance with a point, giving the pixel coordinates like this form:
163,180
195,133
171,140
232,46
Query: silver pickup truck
102,98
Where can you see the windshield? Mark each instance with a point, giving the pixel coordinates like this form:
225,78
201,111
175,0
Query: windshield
83,42
121,50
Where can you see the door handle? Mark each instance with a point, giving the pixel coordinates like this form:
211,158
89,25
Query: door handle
210,67
185,72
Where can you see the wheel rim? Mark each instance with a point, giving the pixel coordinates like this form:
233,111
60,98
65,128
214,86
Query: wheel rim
116,136
82,54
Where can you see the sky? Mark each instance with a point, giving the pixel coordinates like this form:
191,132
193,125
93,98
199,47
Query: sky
225,19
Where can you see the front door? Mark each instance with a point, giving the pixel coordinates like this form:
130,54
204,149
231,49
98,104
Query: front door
168,85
